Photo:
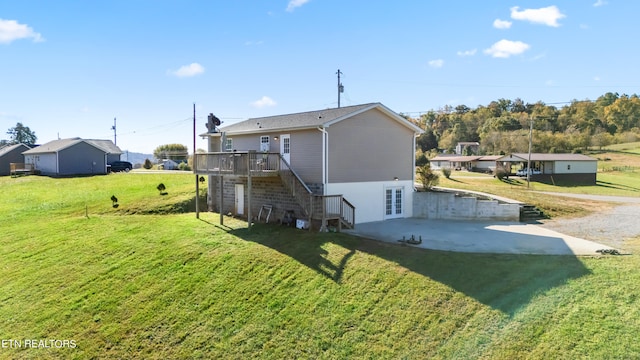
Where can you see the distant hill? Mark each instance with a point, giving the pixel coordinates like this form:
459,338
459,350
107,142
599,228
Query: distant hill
137,158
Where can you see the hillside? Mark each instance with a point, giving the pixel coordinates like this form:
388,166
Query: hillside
137,158
148,280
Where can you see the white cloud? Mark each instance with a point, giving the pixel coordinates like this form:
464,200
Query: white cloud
501,24
467,52
188,70
547,16
437,63
506,48
295,3
596,78
11,30
600,3
264,101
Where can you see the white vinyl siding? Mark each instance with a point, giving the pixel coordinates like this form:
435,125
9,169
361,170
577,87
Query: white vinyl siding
576,167
356,151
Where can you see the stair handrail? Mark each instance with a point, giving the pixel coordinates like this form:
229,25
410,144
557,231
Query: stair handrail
304,199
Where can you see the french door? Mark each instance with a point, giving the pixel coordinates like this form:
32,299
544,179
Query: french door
393,202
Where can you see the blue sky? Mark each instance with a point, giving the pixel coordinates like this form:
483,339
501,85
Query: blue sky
68,68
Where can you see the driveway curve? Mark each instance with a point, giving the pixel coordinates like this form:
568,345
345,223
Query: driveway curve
611,227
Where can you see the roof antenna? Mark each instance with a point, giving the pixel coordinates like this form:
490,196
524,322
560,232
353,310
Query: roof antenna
340,87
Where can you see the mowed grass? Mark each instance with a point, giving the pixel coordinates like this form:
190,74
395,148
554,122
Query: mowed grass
148,280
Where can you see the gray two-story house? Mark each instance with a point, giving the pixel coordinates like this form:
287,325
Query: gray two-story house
350,160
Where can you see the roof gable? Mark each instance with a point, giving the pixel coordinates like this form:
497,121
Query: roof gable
55,146
10,148
310,119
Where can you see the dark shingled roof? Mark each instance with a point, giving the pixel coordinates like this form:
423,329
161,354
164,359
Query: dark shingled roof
56,145
304,120
9,148
550,157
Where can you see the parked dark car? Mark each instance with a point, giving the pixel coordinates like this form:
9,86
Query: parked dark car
117,166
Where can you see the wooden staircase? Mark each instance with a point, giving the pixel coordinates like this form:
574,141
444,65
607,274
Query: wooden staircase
325,208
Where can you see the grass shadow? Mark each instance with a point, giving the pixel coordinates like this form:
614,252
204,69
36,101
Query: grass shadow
503,282
305,247
511,181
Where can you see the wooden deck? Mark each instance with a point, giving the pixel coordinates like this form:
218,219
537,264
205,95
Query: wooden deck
17,169
258,164
237,164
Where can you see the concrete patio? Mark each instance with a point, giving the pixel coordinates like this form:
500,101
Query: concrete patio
500,237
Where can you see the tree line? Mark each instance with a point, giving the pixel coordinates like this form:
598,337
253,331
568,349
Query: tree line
502,126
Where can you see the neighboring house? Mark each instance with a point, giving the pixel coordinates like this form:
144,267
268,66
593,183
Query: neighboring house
11,154
473,147
484,163
168,164
451,161
74,156
553,168
360,156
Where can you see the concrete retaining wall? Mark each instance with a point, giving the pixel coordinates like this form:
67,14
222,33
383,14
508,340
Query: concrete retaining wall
448,206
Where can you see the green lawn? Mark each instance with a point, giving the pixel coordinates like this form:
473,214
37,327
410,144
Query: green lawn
148,280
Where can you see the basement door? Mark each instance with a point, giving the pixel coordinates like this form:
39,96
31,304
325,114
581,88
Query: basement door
239,203
393,202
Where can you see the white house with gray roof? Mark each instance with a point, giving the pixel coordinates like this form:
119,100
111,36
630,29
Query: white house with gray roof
574,169
365,153
74,156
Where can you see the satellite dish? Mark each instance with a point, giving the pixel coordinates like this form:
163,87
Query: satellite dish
212,122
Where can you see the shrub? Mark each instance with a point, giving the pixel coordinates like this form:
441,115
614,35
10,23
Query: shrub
184,166
421,158
427,177
147,164
446,172
501,174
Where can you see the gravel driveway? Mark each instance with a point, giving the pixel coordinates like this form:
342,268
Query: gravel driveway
610,227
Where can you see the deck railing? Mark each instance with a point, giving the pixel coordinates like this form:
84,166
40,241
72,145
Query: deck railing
237,163
21,168
334,207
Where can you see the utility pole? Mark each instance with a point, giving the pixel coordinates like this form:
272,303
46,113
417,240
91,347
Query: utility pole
529,159
115,136
193,163
340,87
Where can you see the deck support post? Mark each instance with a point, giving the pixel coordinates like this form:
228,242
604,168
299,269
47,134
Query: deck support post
249,191
221,178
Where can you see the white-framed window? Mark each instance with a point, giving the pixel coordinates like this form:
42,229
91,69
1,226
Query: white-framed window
228,146
264,143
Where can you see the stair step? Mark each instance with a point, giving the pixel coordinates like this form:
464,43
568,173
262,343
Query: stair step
530,212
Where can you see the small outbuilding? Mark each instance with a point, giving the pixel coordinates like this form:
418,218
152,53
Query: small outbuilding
74,156
574,169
